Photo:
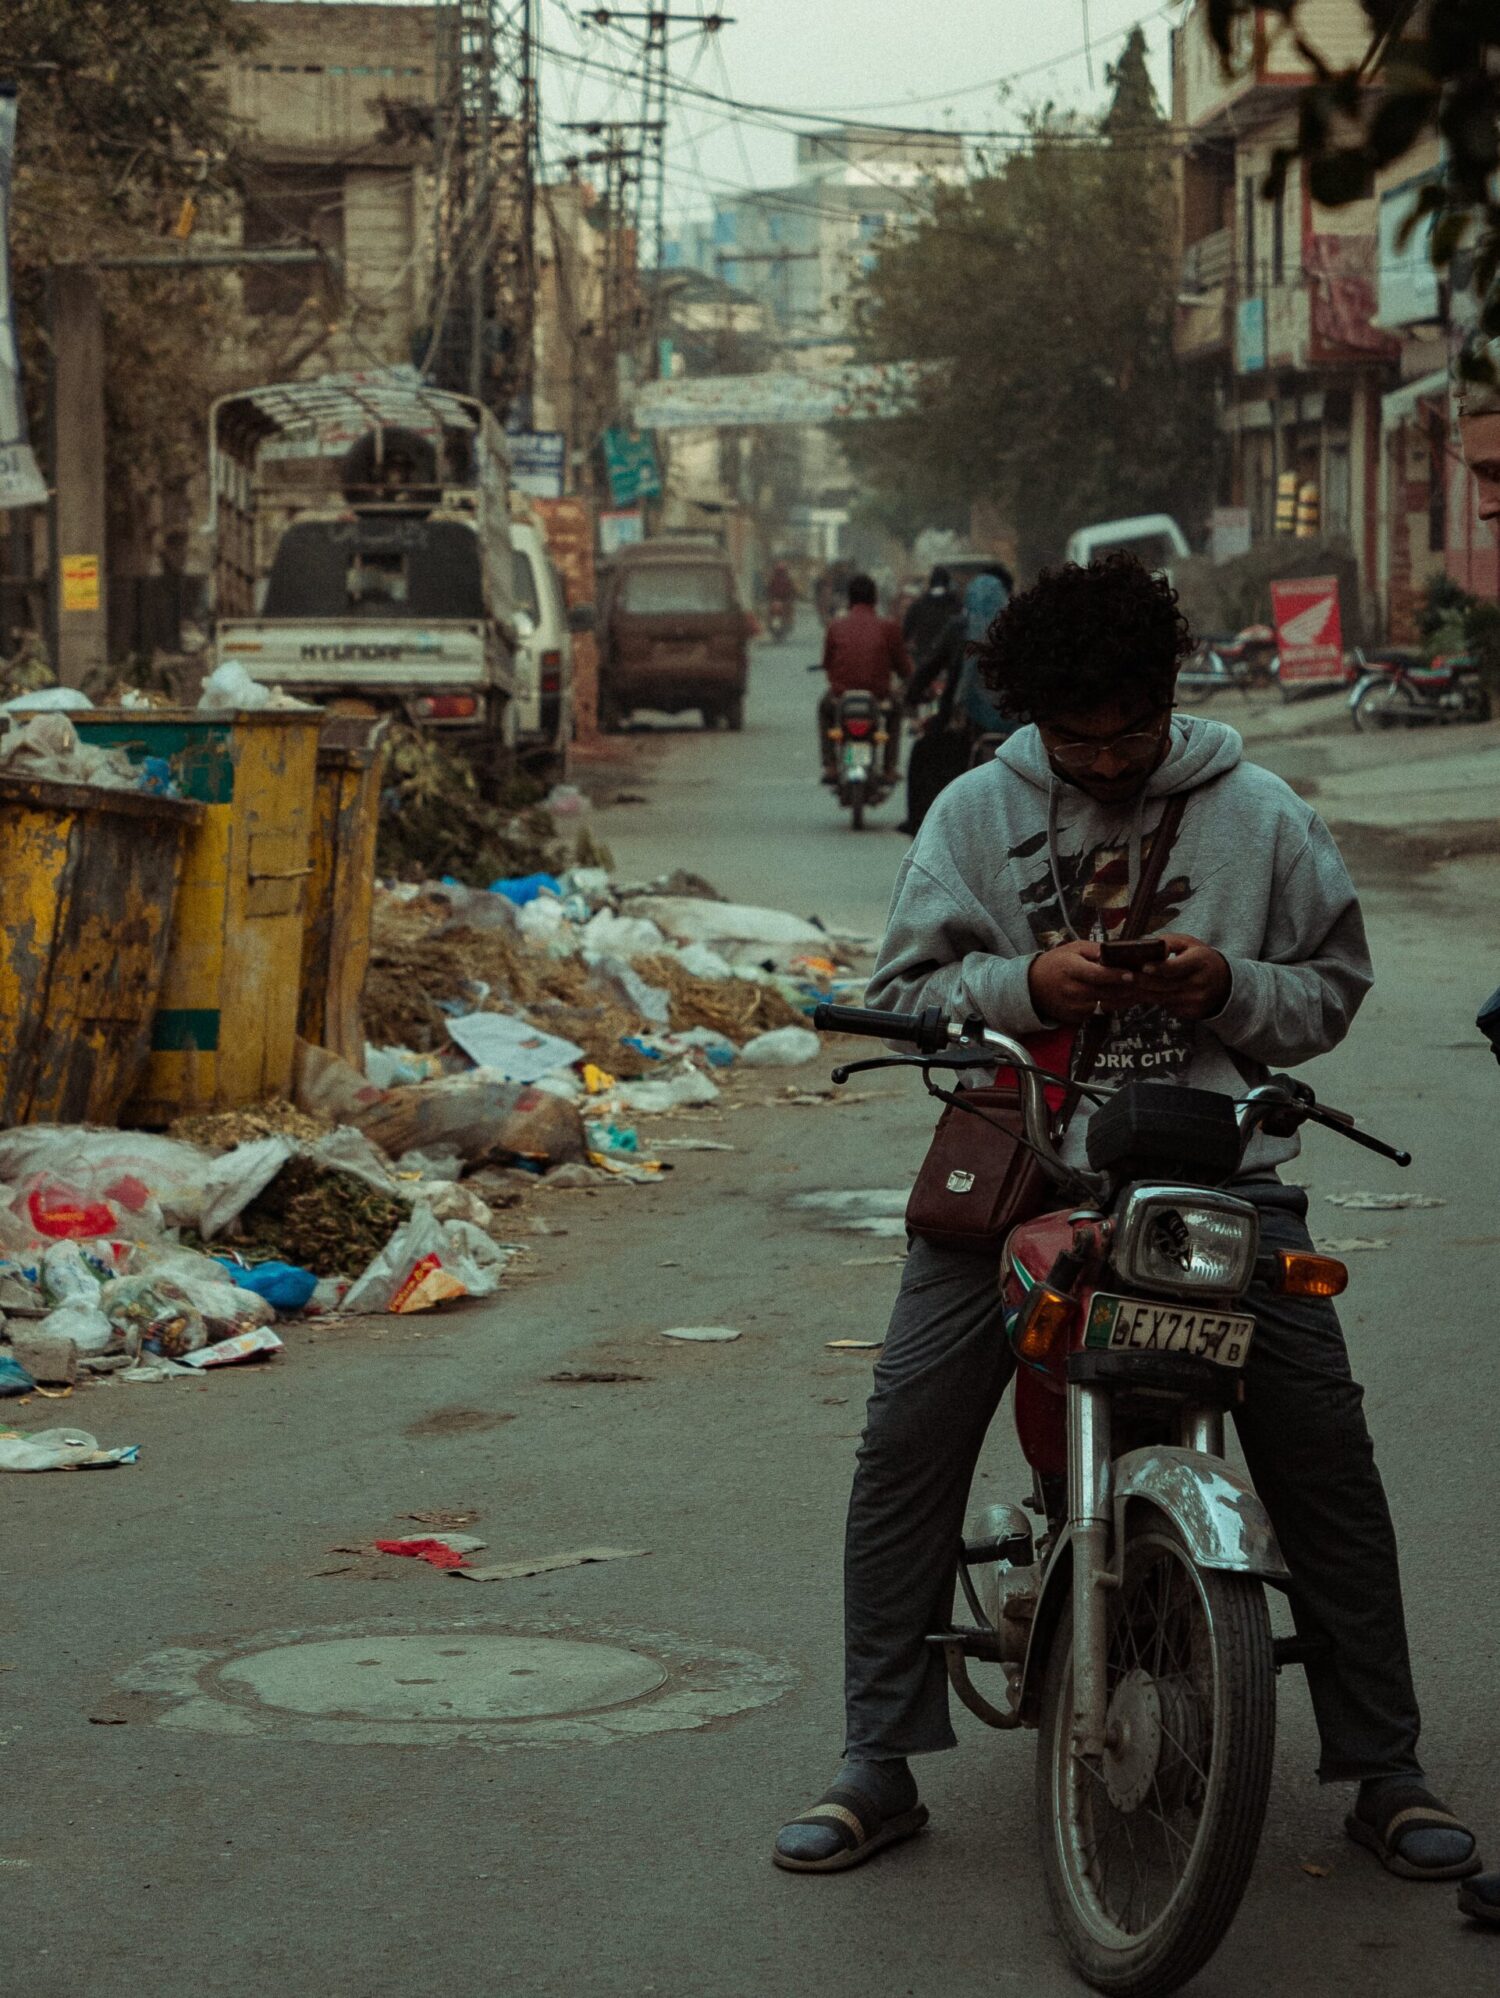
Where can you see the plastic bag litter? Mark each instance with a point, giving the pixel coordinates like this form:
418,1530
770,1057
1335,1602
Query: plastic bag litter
68,1277
85,1324
786,1047
230,686
238,1177
511,1047
545,921
101,1162
566,801
14,1378
47,746
519,889
61,1450
388,1068
687,1087
47,700
622,936
150,1313
649,1002
701,962
691,920
426,1262
286,1287
477,1115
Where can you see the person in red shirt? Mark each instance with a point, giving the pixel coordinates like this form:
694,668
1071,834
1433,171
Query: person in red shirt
863,652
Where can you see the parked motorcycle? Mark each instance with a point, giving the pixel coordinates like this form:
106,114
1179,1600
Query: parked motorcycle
1398,688
1130,1627
859,736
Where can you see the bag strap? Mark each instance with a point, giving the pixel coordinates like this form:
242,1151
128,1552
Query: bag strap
1090,1043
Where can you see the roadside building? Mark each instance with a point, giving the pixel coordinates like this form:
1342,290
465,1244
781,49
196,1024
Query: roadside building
338,110
1278,300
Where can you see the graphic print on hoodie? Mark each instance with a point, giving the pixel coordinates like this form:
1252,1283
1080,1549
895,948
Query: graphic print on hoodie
1087,896
1010,861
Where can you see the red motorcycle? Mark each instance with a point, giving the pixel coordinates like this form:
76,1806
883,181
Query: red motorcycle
1131,1629
1400,688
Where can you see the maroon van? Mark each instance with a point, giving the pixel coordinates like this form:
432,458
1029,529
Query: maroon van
672,634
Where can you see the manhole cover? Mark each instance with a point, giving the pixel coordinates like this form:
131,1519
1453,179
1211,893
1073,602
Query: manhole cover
442,1678
529,1683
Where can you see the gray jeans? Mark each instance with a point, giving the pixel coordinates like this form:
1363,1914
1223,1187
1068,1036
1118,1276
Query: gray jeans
938,1384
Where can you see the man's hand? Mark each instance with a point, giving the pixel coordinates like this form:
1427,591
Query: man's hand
1193,984
1069,984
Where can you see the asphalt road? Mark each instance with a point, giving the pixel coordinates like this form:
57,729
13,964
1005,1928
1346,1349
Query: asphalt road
167,1830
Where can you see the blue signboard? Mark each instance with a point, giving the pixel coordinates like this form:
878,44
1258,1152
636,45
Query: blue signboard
536,462
630,462
1250,336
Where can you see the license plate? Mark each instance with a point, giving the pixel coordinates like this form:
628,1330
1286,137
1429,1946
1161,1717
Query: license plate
858,756
1132,1325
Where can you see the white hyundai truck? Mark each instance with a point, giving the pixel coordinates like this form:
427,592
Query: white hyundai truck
362,554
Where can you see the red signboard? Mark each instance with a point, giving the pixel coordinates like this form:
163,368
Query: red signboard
1309,629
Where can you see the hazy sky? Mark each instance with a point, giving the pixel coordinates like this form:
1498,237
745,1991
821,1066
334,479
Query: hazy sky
947,63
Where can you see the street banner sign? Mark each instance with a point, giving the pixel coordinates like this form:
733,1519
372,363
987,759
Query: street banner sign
850,393
1309,629
630,461
21,484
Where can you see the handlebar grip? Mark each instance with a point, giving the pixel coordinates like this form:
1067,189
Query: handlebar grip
928,1029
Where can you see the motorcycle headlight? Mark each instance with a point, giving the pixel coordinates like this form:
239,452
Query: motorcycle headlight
1181,1241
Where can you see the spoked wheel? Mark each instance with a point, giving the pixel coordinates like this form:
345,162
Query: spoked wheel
1148,1850
1383,703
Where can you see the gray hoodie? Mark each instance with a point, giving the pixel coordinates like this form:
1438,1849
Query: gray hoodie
1011,861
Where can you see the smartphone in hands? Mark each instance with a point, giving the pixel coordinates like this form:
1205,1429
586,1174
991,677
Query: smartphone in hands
1133,953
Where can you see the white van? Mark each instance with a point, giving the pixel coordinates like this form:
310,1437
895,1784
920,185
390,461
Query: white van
544,656
1154,537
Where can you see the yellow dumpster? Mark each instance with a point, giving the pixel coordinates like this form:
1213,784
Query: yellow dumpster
341,887
225,1030
88,878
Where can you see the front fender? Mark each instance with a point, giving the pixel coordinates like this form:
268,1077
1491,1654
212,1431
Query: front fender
1222,1522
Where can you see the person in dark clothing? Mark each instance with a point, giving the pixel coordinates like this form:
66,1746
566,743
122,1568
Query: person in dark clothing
929,615
864,652
944,748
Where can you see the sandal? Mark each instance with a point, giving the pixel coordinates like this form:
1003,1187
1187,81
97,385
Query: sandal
1399,1812
857,1825
1481,1899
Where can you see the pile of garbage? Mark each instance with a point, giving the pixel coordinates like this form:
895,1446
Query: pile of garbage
620,1000
147,1256
433,820
518,1036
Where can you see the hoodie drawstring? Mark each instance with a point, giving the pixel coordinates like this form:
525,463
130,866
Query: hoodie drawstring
1133,872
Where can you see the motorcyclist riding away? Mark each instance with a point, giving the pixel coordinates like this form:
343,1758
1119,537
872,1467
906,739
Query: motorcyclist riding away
863,652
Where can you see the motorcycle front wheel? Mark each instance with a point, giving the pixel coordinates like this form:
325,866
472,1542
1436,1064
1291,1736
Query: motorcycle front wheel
1148,1850
1383,704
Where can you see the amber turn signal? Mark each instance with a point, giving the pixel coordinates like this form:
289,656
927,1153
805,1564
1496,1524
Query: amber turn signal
1049,1316
1301,1275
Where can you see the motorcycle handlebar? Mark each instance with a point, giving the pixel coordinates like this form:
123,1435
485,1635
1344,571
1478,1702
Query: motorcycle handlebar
928,1030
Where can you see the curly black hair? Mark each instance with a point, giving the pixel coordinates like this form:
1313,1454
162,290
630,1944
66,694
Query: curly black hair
1081,638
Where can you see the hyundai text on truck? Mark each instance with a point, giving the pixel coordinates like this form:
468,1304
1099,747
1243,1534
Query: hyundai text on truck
362,554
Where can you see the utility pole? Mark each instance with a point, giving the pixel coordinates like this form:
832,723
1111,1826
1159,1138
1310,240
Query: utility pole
485,280
80,631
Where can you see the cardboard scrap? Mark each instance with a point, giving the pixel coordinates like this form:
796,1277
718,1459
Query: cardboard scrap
544,1564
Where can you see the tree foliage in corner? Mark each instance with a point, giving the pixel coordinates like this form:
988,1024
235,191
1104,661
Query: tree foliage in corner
117,124
1045,288
1429,68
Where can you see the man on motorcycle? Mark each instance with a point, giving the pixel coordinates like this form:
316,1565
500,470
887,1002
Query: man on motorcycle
1023,866
781,592
863,652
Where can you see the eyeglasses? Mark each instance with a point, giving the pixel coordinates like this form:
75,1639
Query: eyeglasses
1132,748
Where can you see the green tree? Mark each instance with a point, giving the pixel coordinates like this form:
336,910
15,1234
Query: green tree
1044,291
119,123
